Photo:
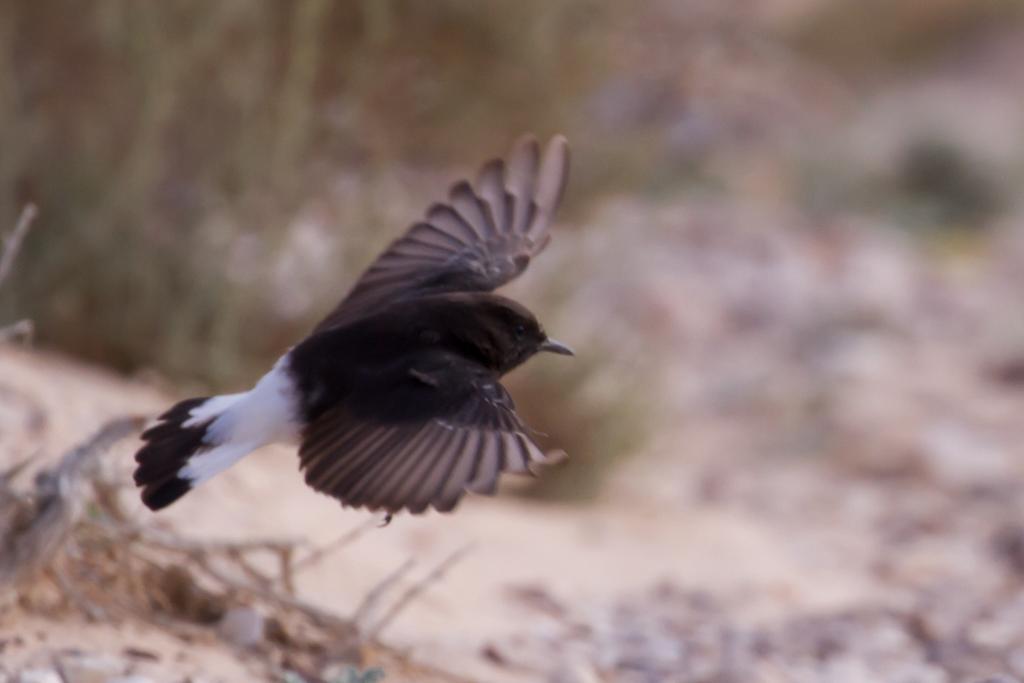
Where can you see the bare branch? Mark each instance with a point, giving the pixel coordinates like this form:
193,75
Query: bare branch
370,600
167,541
33,527
107,565
23,330
12,243
417,588
346,538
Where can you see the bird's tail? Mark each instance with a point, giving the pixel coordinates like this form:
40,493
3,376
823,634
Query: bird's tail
190,443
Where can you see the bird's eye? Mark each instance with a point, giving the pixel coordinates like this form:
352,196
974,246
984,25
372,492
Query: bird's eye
520,331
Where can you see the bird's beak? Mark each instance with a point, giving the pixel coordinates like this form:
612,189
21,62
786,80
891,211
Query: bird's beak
556,347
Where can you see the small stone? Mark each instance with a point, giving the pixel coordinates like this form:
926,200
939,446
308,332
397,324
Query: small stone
1008,545
352,674
242,626
89,668
39,676
574,672
139,653
959,456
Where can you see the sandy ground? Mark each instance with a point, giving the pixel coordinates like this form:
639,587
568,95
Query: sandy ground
580,554
835,493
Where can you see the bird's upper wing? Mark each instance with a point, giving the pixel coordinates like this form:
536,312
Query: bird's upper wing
482,237
428,461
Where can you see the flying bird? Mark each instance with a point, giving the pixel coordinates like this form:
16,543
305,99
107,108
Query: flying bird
395,398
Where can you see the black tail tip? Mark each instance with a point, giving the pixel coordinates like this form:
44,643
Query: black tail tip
168,446
158,496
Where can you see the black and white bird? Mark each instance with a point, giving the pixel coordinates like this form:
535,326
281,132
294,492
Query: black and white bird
395,398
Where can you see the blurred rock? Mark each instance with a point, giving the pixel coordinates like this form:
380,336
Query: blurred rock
350,673
39,676
1008,546
536,597
242,626
140,653
89,668
575,672
959,456
628,103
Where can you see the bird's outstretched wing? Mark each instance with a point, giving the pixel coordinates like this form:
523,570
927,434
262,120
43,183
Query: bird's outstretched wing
481,238
424,462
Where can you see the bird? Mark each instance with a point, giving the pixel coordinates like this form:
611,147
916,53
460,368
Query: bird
395,398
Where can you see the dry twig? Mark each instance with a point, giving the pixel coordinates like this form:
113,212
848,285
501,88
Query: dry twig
345,539
107,566
12,243
417,588
22,329
371,599
34,526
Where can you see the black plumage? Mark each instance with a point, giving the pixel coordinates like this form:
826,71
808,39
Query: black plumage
169,445
396,395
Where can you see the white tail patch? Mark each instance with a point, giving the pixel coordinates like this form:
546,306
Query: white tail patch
206,464
241,423
211,408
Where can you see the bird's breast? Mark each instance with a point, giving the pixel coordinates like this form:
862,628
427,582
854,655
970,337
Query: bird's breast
378,372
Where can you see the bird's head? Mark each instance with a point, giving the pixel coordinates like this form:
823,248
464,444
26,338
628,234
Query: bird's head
505,334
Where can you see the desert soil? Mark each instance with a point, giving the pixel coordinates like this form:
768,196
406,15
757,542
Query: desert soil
861,576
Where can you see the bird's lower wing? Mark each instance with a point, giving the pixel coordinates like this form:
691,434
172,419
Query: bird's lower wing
413,466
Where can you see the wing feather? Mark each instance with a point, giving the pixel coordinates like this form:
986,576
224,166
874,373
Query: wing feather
404,464
322,455
366,456
428,461
517,458
522,177
350,460
554,174
477,241
374,492
383,455
451,490
440,471
447,220
429,233
491,189
488,465
464,200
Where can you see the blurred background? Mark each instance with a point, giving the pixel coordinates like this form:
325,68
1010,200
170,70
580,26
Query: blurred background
791,254
224,171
